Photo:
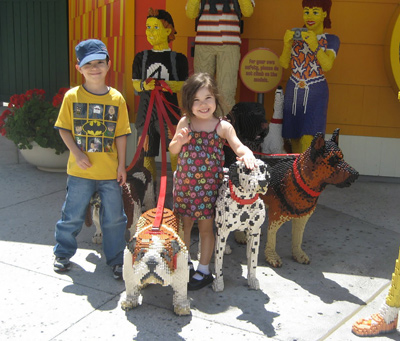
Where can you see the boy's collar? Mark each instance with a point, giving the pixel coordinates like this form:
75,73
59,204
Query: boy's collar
108,90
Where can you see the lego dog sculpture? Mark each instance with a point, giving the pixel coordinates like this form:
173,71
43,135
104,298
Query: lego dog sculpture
295,187
238,207
251,127
138,196
156,256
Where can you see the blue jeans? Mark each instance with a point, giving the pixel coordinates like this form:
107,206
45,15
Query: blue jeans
112,217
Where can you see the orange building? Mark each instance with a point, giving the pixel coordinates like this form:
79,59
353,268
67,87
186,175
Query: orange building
363,82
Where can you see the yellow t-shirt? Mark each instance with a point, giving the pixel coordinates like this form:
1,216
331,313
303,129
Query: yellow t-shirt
94,121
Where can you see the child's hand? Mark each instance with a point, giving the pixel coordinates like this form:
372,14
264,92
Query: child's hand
183,136
248,159
121,175
83,161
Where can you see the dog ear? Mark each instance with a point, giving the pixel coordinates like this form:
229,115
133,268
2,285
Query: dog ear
175,247
234,174
335,136
317,146
131,245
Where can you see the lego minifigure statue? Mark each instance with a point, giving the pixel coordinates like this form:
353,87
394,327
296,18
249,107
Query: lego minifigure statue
309,52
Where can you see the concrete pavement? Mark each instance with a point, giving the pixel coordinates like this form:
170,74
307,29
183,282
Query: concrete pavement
352,240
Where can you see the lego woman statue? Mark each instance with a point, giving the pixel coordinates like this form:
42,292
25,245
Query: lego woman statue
309,52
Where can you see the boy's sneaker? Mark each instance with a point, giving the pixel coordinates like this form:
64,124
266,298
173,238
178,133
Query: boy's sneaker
117,271
61,264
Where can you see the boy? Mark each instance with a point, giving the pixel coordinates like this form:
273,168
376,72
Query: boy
88,172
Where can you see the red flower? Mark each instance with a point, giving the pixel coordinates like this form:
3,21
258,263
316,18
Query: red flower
3,117
17,101
37,92
58,98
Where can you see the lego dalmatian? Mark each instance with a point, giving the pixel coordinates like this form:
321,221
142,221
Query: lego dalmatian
238,207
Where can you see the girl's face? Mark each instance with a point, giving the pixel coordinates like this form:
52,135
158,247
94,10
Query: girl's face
314,19
204,104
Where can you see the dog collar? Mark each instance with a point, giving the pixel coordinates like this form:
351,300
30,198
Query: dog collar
240,200
301,183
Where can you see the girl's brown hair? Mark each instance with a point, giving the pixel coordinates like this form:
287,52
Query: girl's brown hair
193,84
324,4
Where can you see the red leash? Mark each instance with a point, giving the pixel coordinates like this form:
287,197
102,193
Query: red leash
157,97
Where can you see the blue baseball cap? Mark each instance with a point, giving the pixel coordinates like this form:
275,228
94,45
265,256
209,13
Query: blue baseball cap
91,49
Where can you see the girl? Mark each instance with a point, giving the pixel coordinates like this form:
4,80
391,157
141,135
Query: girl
199,140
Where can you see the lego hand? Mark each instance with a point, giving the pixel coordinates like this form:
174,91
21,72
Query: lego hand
246,7
192,9
140,85
311,39
288,37
148,86
284,59
175,86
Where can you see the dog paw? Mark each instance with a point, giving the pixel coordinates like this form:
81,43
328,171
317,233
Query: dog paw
273,259
218,284
97,238
128,305
240,237
182,308
253,283
301,257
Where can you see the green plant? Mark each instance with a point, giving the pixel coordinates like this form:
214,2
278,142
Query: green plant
30,118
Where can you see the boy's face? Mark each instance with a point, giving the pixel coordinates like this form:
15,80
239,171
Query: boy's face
156,33
96,70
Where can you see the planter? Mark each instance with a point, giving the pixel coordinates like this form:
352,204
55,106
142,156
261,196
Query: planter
45,159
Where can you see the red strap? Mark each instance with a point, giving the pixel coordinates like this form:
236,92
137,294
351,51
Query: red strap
301,183
157,97
276,120
163,180
161,113
240,200
144,133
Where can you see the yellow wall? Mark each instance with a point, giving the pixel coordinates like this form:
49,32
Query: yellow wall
362,99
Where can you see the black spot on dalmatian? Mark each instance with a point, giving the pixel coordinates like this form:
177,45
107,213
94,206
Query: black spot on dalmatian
244,216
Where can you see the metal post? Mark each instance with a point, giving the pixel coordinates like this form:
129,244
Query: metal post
260,98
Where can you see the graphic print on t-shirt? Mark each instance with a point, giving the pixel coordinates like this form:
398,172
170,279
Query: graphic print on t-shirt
94,126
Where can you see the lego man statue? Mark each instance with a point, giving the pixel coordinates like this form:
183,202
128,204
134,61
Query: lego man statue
160,63
217,42
309,52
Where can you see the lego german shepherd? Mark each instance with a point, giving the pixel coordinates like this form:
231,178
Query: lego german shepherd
295,188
